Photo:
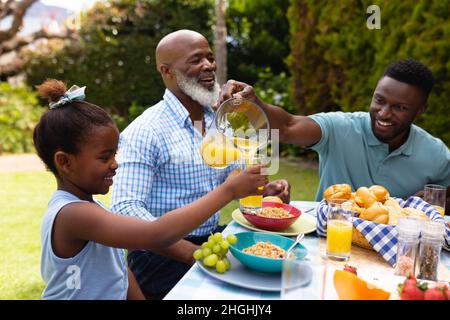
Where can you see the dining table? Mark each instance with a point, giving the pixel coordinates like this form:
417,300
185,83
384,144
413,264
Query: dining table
201,284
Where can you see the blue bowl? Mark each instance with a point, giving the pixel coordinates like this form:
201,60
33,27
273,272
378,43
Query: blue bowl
258,263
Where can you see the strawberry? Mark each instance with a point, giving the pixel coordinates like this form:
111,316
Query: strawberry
410,280
445,288
434,294
350,268
410,292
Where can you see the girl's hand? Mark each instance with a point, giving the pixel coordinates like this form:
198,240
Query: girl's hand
246,182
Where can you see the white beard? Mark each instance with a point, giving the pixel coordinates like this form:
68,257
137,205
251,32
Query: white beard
196,91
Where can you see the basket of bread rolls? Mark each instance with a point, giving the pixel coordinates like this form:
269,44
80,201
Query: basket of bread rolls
372,204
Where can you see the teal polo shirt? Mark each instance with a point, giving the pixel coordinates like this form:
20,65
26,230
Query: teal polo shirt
350,153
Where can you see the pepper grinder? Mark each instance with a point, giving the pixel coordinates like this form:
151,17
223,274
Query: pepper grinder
431,243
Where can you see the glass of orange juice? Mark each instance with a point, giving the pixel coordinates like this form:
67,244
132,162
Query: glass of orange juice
436,196
253,204
339,230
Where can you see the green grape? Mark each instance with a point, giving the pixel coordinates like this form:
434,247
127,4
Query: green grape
198,254
224,245
221,266
216,248
227,262
206,252
223,251
214,252
231,238
217,237
211,243
211,260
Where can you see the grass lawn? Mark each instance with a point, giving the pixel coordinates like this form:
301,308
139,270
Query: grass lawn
23,200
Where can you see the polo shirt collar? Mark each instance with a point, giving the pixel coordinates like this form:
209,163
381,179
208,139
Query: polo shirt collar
371,139
406,148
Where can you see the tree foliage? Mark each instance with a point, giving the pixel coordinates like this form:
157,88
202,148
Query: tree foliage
258,33
115,57
18,115
258,47
336,61
12,41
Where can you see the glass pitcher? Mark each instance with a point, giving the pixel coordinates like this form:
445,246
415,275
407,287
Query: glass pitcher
218,151
245,124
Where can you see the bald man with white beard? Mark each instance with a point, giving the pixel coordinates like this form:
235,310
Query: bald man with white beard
160,168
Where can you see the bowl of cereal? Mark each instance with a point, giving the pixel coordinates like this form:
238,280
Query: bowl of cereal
274,216
261,251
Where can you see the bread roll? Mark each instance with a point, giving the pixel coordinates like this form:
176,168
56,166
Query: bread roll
337,192
364,197
416,213
376,213
380,192
395,211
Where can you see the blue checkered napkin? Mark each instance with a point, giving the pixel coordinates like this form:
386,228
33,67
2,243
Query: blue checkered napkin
383,238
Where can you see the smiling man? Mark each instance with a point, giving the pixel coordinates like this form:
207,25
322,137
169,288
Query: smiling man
160,167
381,146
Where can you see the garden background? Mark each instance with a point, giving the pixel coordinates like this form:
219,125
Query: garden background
305,56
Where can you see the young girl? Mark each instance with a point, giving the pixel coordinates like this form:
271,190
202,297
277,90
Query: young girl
78,141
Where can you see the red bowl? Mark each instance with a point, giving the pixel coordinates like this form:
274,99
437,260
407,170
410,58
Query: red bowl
274,224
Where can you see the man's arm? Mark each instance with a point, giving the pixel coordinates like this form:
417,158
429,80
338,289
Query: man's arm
294,129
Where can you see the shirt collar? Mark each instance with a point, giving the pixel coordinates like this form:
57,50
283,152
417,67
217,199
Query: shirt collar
371,139
406,148
180,112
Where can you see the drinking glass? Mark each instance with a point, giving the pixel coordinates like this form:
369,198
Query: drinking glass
302,278
253,203
436,196
339,230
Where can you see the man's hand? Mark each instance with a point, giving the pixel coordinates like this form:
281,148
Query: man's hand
236,89
279,188
419,194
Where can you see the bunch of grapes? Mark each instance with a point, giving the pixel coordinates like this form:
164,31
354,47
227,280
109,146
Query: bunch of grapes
214,252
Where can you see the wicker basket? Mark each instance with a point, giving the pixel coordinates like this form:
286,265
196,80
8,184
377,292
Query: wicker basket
360,241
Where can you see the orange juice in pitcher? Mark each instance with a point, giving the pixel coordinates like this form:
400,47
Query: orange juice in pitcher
218,152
